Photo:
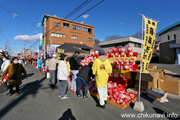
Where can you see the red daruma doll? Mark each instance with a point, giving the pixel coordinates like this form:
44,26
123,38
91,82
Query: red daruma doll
126,66
116,76
132,61
121,61
126,61
110,85
122,76
130,54
106,52
122,49
111,54
133,96
117,54
96,54
122,54
129,49
116,49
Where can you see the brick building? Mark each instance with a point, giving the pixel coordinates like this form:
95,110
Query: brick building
59,31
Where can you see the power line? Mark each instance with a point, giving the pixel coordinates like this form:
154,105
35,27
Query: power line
34,9
77,9
20,17
17,13
33,44
88,10
72,13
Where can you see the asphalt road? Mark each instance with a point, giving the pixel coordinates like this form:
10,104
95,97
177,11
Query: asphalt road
39,102
172,67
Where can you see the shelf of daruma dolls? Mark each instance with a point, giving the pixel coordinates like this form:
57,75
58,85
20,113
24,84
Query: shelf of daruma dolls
112,59
121,106
113,103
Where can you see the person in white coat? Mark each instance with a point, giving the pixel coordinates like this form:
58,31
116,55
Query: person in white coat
5,63
20,61
62,76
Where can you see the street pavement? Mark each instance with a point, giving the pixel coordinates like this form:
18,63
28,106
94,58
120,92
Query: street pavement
40,102
175,68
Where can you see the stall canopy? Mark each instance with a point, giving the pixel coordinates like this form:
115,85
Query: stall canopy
70,48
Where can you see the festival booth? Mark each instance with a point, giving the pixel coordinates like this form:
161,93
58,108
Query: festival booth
122,64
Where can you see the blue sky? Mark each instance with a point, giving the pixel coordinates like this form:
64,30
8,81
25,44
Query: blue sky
106,17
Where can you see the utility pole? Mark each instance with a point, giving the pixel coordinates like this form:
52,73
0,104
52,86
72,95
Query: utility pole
44,38
121,28
24,53
5,45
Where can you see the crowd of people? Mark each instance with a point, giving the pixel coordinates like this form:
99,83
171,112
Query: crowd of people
60,70
98,70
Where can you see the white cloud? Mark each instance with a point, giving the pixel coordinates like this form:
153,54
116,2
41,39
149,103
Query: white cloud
39,25
85,16
14,15
27,38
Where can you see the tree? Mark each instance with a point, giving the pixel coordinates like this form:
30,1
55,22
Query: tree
138,35
96,45
112,37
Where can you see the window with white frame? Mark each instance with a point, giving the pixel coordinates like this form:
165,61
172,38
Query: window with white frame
89,39
137,45
87,30
57,24
74,37
76,27
58,35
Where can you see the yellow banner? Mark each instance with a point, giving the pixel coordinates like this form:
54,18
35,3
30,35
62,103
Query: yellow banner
149,43
59,52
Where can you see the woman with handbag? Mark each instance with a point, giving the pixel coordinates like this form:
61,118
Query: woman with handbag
14,71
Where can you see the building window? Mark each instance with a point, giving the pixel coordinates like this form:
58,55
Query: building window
90,31
58,35
74,37
137,45
87,30
57,24
174,36
168,37
76,27
65,25
89,39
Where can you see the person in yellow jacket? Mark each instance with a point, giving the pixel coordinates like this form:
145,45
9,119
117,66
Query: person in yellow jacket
101,69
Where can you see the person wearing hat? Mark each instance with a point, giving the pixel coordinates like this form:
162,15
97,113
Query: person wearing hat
62,76
52,64
101,69
75,66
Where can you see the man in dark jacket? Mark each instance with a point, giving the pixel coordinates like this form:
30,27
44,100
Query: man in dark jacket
74,65
84,75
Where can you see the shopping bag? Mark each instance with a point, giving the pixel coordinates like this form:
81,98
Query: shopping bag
48,75
3,87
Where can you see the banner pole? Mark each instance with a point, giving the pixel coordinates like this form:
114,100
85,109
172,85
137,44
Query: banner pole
138,106
141,60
